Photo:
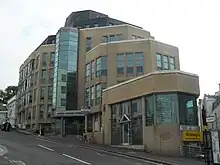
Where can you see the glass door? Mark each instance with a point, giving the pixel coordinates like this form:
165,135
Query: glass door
125,133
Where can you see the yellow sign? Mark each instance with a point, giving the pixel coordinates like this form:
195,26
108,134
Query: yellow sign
191,136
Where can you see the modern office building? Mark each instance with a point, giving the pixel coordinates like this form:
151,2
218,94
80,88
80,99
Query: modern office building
35,87
124,65
11,108
56,93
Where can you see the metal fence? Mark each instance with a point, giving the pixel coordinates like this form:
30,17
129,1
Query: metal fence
192,151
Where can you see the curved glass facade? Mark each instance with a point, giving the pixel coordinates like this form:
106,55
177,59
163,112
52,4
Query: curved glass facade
65,80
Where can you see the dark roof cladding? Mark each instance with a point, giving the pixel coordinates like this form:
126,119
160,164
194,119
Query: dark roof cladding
89,15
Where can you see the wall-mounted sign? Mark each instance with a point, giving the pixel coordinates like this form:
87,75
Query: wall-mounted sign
210,119
191,136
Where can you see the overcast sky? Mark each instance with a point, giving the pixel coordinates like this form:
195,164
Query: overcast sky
192,25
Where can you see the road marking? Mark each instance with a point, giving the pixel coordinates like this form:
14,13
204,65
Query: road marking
79,160
48,141
45,147
120,155
3,150
100,154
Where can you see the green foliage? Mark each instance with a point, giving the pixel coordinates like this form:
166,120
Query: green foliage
7,93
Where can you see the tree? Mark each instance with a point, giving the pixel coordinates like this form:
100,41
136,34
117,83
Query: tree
8,93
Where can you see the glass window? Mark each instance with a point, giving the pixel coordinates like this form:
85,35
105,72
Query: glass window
130,63
87,97
98,94
111,38
120,64
52,58
166,109
63,77
87,72
159,61
63,89
118,37
88,43
149,110
93,70
104,66
44,59
172,63
96,25
139,62
188,109
105,39
49,110
98,67
41,111
165,63
63,102
50,91
42,92
92,95
43,74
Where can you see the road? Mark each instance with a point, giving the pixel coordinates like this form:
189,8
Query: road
20,149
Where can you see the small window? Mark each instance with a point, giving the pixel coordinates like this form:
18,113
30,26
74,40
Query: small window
63,102
165,63
159,61
63,89
63,78
96,25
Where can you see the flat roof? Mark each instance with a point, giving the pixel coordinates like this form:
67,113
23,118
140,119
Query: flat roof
127,41
150,74
114,26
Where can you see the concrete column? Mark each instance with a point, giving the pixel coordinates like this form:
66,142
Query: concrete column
93,122
86,123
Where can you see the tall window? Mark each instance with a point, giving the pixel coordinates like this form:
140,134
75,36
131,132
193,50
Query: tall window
120,64
50,92
159,61
49,110
92,92
42,92
98,67
87,97
37,62
166,107
41,111
188,109
104,66
87,72
63,89
88,43
149,110
172,63
139,62
93,70
63,102
51,73
43,76
52,58
44,60
130,63
98,94
165,63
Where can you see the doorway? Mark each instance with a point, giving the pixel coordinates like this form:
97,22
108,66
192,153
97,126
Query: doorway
125,133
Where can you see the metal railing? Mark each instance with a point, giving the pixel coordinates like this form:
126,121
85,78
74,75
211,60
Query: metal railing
192,151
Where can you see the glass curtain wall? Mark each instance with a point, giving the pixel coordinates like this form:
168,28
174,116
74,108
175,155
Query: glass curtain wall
64,84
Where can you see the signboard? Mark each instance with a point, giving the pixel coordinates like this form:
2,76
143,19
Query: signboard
210,119
191,136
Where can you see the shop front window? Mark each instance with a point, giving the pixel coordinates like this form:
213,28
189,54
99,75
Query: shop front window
166,109
187,109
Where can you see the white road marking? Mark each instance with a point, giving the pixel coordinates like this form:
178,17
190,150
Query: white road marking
79,160
100,154
6,157
48,141
125,156
52,150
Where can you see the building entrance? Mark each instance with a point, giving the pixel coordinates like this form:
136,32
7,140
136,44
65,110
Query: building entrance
125,133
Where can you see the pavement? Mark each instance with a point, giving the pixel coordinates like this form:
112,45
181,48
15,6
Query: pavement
25,149
124,154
